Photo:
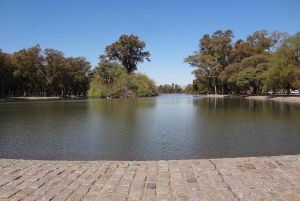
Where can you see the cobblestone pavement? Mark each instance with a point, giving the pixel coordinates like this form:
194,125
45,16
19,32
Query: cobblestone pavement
251,178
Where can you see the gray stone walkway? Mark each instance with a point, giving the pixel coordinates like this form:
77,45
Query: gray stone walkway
252,178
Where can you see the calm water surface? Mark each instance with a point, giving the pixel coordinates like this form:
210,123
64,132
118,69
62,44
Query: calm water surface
164,127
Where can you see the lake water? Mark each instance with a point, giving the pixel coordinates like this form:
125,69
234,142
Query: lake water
158,128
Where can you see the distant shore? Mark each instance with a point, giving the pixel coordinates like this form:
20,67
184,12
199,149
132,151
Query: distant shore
37,98
279,98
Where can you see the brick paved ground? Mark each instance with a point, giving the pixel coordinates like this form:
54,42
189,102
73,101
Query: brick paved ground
254,178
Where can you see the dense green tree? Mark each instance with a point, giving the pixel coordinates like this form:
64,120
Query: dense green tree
106,70
260,41
239,68
114,76
128,50
54,69
214,54
250,73
76,76
120,84
27,64
285,66
33,72
6,74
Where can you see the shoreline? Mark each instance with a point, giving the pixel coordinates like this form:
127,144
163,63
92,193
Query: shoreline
36,98
278,98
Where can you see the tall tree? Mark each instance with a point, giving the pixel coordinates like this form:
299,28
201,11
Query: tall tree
54,69
215,53
128,50
6,74
27,62
75,76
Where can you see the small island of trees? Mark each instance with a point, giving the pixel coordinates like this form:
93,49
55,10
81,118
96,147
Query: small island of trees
114,76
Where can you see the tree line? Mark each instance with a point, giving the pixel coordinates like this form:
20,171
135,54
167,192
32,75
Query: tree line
37,72
264,61
169,89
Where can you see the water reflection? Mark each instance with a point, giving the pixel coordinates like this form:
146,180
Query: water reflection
164,127
236,127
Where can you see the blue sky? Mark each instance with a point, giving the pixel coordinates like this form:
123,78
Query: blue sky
170,29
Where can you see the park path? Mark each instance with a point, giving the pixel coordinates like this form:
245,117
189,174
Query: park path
249,178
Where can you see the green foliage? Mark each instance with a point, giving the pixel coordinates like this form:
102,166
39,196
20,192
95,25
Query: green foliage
122,85
33,72
285,66
114,77
242,67
6,74
167,88
128,50
213,56
97,90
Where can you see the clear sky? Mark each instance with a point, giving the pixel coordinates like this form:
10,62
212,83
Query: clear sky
171,29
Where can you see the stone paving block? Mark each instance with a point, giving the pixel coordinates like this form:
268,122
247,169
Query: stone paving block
196,196
296,180
291,197
164,197
122,191
287,183
227,193
236,187
36,185
59,198
163,189
296,191
27,191
149,198
74,197
180,198
110,189
275,196
270,164
149,192
65,192
75,184
82,190
18,197
95,188
24,184
46,198
214,198
101,181
42,190
9,193
88,182
32,198
282,189
192,187
89,198
210,191
179,190
3,189
257,195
